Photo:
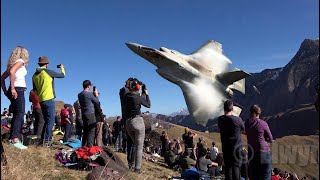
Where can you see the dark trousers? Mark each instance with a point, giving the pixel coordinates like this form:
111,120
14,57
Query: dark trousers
260,167
18,109
124,141
130,150
39,121
214,171
232,172
89,129
79,128
67,131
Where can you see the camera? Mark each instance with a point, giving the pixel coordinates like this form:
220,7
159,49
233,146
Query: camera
143,88
94,88
59,66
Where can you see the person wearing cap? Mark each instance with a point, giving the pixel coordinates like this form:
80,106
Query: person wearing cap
43,84
88,101
16,70
231,128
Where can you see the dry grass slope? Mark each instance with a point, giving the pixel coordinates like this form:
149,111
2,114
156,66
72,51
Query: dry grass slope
38,163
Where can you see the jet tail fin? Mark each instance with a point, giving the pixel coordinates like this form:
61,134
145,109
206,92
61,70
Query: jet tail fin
210,45
234,79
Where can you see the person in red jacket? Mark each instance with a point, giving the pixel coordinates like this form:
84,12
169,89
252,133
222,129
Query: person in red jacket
275,174
66,123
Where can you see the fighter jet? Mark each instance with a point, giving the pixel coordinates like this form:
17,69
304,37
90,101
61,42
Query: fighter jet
205,77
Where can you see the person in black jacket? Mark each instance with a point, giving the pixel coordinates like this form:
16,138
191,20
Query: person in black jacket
117,130
134,122
128,143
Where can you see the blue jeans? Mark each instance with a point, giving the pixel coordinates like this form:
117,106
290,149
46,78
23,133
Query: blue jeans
48,111
260,167
18,110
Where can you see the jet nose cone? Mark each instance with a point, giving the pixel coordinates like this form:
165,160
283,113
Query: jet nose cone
133,46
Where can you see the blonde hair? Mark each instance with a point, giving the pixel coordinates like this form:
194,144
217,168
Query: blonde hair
18,52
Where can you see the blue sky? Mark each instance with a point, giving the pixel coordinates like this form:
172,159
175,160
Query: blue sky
89,37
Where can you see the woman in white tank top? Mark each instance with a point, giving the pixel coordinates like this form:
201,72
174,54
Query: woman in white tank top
16,70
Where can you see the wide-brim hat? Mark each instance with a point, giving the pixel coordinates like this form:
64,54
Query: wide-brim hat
43,60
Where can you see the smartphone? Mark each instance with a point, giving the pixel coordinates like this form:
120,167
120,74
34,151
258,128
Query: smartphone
94,88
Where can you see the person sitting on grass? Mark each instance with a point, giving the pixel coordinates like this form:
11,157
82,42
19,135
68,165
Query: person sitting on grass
170,156
203,164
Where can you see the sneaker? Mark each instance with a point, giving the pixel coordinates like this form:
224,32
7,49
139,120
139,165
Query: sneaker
19,145
48,144
33,137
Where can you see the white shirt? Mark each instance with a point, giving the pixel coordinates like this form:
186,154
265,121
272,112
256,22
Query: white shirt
213,153
20,75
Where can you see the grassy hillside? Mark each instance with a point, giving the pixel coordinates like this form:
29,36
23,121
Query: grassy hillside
299,154
39,163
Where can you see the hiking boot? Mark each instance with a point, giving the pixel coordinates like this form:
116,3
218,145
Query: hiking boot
19,145
138,171
131,168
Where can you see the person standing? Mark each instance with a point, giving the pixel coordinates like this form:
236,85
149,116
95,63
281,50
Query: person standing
99,128
185,137
134,122
43,84
230,133
16,70
201,147
87,103
258,136
79,122
129,143
57,121
117,129
37,113
66,123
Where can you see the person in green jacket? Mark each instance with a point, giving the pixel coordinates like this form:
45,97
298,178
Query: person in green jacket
43,84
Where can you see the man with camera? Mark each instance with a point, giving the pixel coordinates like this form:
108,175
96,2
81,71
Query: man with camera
43,84
88,101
